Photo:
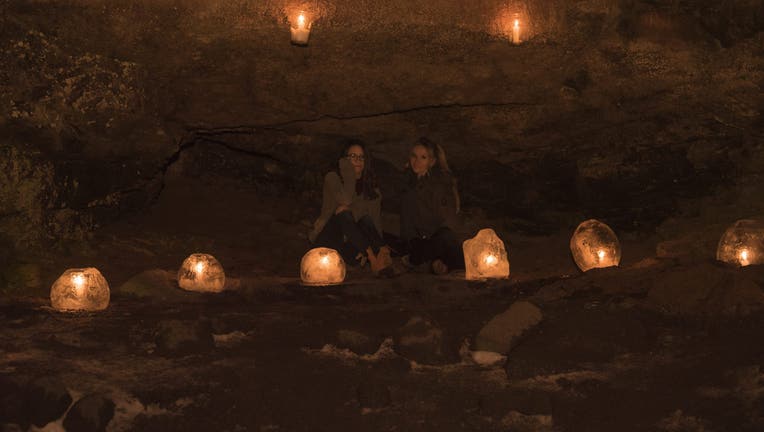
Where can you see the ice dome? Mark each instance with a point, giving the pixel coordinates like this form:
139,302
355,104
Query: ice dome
595,245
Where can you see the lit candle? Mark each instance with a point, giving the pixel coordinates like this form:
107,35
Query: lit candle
199,268
516,32
601,254
79,281
490,259
301,33
744,257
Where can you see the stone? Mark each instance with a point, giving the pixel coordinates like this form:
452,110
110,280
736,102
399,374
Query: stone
92,413
156,284
357,342
706,289
48,400
184,337
501,334
487,358
420,340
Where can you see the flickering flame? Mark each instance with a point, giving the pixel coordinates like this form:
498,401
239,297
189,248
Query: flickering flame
517,23
744,255
601,254
79,281
325,260
199,268
301,21
490,259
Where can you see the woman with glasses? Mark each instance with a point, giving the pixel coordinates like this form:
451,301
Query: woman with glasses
350,220
429,208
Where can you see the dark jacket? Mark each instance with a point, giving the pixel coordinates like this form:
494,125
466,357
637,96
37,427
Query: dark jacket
427,204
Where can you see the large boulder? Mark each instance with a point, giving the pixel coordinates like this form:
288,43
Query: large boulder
505,330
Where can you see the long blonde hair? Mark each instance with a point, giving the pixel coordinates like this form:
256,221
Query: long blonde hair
442,164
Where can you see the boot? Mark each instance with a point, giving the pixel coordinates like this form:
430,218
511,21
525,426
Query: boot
379,261
385,255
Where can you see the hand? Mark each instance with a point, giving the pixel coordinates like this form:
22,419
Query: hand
347,172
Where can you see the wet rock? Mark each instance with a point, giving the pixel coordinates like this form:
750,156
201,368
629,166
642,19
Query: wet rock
706,289
357,342
47,401
420,340
373,395
505,329
92,413
183,337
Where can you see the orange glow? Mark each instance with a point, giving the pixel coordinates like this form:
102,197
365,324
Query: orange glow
199,268
301,21
490,259
744,257
601,254
79,281
325,260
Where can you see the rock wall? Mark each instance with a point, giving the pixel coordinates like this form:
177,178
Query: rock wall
630,111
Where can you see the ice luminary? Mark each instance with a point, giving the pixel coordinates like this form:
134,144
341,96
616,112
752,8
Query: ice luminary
595,245
202,273
80,289
485,256
742,243
322,266
300,30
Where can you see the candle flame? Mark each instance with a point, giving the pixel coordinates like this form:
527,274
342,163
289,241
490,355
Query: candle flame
744,255
490,259
517,23
601,254
79,281
300,20
199,268
325,260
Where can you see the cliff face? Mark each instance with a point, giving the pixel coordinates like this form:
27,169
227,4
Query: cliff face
629,111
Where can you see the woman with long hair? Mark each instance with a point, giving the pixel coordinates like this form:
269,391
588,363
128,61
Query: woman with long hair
350,219
429,208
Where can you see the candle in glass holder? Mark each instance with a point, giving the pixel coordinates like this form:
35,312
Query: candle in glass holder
301,32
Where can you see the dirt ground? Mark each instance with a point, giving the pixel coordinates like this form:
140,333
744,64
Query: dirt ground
634,348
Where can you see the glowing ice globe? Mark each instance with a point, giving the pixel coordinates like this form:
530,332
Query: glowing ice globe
595,245
80,289
322,266
201,273
742,244
485,256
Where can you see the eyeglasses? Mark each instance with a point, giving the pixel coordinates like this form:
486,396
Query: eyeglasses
356,157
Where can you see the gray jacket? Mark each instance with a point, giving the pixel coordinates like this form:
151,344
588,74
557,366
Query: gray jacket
337,193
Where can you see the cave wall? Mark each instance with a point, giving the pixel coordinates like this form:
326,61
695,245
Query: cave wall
630,111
